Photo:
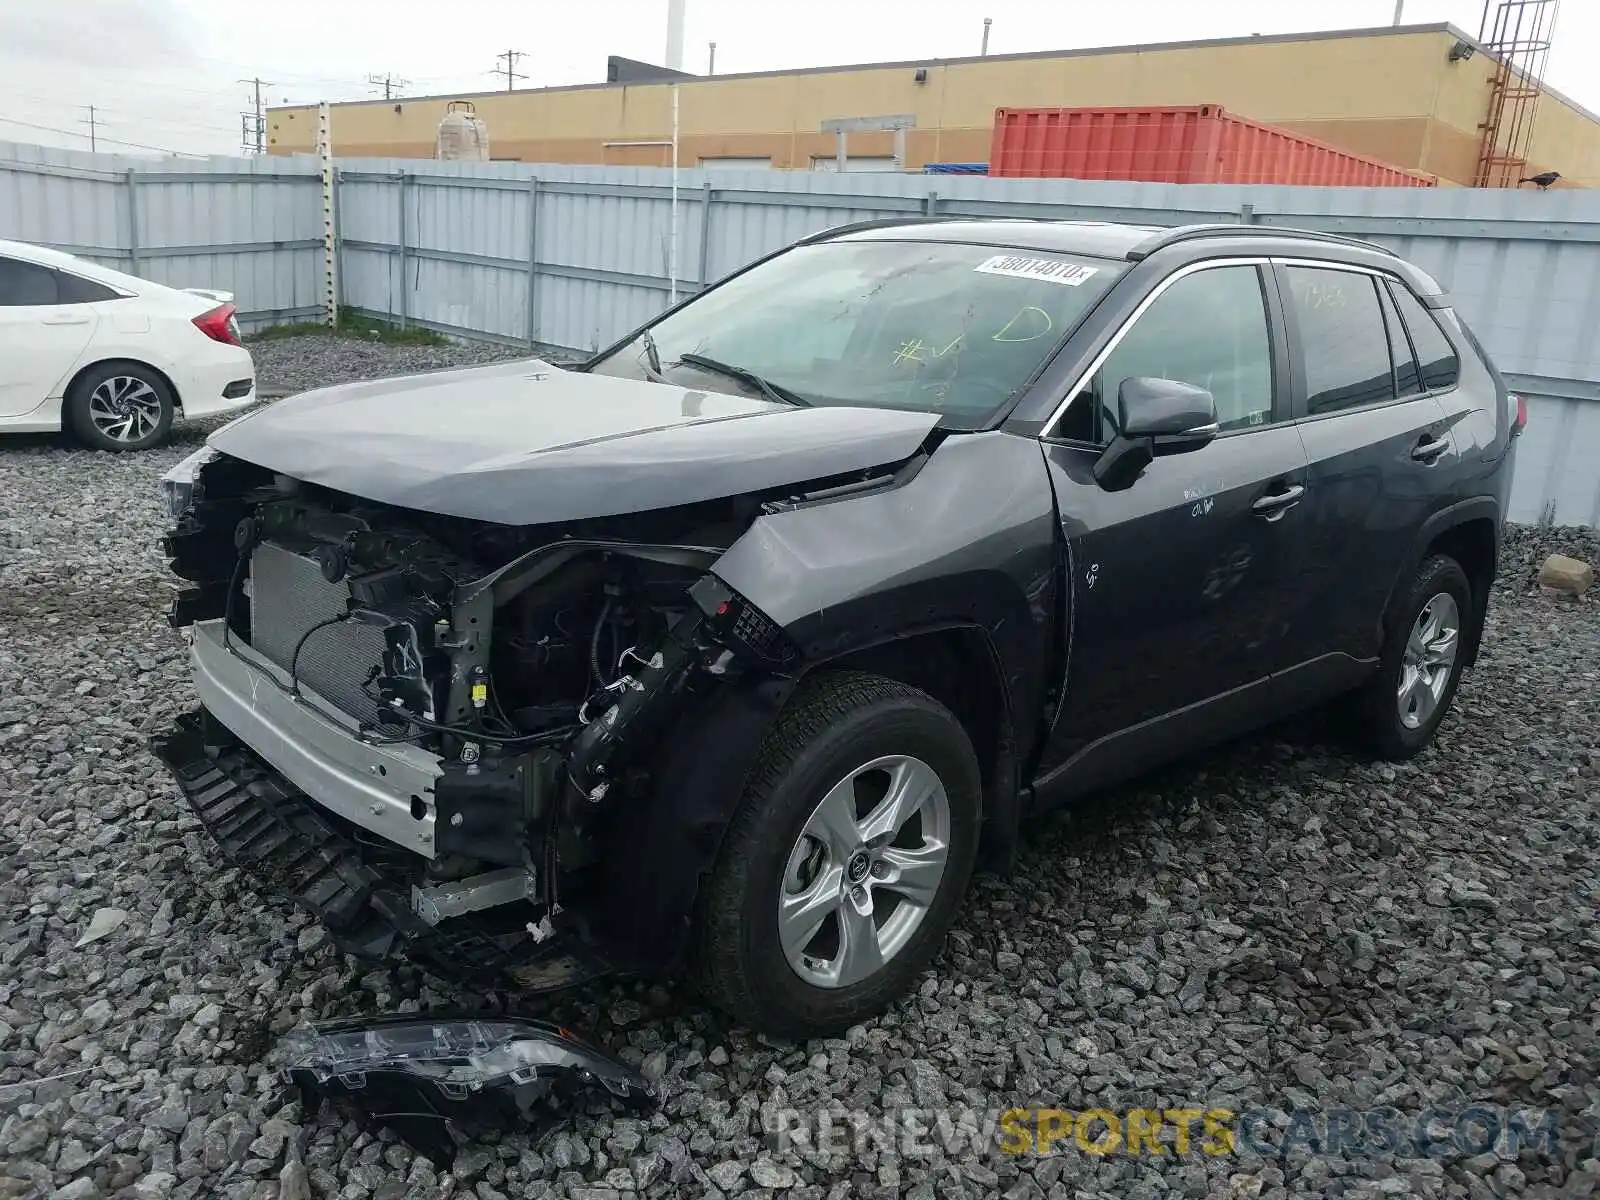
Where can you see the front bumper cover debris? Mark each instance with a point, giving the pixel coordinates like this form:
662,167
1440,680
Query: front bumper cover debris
266,826
422,1075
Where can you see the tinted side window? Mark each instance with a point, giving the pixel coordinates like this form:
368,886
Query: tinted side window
1208,329
23,283
1437,357
73,289
1407,381
1343,344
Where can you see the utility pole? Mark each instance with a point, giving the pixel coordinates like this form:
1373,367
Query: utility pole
711,65
91,123
988,23
253,124
392,85
510,69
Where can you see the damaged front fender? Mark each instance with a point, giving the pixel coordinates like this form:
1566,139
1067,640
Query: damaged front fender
969,540
423,1076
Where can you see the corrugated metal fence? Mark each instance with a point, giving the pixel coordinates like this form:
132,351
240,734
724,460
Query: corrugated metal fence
249,226
567,258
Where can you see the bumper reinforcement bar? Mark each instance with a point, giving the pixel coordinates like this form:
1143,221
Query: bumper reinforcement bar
267,827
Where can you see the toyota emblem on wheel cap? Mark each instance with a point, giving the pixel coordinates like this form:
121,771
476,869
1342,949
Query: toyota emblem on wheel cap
858,867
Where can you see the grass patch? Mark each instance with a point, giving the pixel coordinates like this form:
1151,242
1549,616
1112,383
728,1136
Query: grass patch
368,329
273,333
353,325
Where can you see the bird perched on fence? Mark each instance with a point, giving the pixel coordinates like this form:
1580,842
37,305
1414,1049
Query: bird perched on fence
1544,178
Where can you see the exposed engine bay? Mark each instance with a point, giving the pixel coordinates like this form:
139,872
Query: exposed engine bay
533,665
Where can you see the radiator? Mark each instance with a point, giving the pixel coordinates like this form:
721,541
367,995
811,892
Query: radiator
288,595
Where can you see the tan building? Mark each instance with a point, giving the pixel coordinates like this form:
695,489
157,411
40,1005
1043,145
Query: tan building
1413,96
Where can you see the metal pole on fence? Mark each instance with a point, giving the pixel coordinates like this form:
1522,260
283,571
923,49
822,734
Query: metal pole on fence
705,235
330,240
533,263
405,295
672,246
133,221
338,243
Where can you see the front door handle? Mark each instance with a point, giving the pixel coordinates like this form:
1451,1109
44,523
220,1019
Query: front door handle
1429,449
67,318
1274,504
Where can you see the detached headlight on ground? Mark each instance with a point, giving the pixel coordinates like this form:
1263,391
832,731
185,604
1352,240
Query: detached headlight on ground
178,486
420,1075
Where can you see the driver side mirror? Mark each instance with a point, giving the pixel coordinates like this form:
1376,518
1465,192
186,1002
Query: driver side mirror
1155,417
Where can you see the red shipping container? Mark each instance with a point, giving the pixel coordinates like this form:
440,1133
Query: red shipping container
1200,143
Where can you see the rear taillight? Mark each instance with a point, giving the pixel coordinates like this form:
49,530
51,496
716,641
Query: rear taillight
219,325
1519,414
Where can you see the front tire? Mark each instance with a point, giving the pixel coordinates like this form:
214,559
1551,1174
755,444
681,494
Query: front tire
1399,712
121,406
846,861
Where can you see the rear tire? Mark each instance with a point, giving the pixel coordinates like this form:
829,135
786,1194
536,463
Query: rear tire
870,746
120,406
1424,651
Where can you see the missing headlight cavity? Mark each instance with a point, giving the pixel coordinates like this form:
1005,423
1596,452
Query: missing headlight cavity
426,1077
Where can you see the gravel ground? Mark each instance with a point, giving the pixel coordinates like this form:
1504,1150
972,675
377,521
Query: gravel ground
294,364
1274,924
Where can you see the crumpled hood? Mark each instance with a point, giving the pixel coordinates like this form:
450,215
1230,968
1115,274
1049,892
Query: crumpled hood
529,443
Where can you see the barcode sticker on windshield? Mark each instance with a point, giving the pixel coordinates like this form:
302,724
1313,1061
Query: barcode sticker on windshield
1049,269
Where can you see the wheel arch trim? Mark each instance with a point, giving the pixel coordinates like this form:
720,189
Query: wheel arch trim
78,375
1453,516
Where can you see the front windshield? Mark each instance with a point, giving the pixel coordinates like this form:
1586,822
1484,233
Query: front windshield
936,327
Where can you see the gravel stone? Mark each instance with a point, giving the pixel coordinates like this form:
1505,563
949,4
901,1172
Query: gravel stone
27,1137
1273,920
769,1174
157,1185
98,1015
209,1017
73,1157
293,1182
726,1175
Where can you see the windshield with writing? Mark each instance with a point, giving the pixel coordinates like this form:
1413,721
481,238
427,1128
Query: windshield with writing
952,329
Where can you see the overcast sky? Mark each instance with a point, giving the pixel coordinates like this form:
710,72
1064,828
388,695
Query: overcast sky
163,74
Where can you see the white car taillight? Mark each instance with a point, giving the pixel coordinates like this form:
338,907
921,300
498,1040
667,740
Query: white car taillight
219,324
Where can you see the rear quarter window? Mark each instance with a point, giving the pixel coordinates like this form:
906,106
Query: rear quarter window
74,289
1436,357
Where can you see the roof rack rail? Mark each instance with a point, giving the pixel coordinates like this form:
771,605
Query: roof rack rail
823,235
1185,233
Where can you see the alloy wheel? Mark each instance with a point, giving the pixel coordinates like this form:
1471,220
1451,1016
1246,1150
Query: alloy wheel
864,871
125,408
1428,661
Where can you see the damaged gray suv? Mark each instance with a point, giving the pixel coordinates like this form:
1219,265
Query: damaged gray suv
732,651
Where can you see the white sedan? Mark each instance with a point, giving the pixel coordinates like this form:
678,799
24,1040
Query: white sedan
111,357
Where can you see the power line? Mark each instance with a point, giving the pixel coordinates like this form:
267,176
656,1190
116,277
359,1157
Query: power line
108,141
144,116
253,125
510,69
392,85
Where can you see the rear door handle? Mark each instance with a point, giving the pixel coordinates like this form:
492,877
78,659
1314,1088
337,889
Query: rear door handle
1429,449
68,318
1274,504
